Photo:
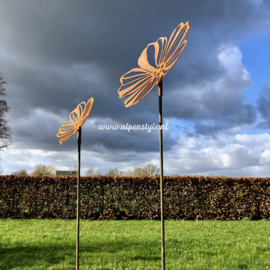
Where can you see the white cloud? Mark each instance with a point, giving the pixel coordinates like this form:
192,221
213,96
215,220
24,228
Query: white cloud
245,155
237,77
240,155
220,97
230,57
265,158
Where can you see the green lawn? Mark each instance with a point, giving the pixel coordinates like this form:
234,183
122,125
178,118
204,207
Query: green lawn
51,244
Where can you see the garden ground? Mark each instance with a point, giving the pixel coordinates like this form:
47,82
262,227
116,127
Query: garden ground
134,244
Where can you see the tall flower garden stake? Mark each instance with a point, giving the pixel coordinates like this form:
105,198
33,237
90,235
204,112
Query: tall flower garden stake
67,130
139,82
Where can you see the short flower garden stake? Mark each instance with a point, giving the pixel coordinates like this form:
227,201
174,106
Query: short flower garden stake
139,82
67,130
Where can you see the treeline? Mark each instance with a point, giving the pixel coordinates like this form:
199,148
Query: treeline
40,169
50,170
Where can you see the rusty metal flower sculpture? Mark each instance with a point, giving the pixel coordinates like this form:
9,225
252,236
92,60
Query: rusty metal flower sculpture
139,82
77,119
67,130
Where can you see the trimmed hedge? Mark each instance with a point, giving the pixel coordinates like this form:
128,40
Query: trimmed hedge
125,197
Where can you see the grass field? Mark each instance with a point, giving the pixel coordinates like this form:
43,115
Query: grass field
51,244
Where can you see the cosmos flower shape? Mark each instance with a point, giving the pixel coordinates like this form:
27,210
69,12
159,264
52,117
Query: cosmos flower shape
139,82
77,119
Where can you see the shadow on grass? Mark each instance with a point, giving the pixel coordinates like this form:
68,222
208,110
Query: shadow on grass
146,258
31,256
242,266
42,257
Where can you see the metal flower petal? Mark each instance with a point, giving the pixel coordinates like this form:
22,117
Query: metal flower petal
143,80
175,46
77,118
137,83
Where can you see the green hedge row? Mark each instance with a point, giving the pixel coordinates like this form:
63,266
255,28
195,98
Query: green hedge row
123,197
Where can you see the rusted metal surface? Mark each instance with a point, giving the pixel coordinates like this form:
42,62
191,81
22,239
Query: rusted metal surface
78,199
77,118
160,90
67,130
139,82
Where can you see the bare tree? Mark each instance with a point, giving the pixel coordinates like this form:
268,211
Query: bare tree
138,171
128,172
51,169
40,169
148,170
20,173
98,172
151,169
91,172
114,172
5,134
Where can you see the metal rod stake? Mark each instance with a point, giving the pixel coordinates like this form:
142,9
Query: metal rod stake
161,175
78,198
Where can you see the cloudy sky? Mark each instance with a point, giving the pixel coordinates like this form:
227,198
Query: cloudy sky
216,98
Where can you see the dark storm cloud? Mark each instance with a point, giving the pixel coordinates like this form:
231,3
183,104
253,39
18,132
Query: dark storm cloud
42,128
59,53
216,105
240,116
